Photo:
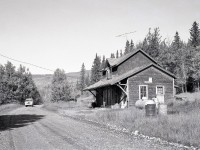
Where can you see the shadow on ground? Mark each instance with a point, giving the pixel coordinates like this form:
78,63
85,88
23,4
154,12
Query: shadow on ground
17,121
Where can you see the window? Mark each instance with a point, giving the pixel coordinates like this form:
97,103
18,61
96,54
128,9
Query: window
143,91
114,69
104,73
160,90
108,74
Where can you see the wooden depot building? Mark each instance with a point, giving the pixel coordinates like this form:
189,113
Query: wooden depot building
131,77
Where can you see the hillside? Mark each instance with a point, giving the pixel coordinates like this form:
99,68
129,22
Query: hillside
43,83
44,80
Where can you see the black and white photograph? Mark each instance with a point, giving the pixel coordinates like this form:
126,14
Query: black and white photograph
99,74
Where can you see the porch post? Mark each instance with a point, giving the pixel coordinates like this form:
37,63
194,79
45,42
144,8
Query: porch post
173,88
127,91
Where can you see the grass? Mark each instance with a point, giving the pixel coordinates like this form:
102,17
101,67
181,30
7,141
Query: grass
8,107
59,105
182,126
82,103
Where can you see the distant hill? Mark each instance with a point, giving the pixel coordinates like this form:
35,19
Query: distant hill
44,80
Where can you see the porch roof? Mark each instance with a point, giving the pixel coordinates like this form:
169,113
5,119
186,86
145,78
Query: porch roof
118,78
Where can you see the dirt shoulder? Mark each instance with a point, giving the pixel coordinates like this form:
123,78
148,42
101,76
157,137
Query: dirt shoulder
8,107
55,131
93,117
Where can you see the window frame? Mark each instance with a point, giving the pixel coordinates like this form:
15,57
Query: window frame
147,92
157,89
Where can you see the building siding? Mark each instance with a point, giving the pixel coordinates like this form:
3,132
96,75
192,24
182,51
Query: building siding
137,60
110,95
158,78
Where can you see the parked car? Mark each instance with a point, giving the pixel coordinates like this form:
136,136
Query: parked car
28,102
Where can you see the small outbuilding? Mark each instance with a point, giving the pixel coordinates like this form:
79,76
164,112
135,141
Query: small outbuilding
131,77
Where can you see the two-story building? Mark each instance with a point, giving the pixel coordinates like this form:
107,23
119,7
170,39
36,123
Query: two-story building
131,77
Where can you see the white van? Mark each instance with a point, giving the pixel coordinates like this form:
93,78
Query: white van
28,102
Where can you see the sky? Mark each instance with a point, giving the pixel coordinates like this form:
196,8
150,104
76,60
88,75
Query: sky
66,33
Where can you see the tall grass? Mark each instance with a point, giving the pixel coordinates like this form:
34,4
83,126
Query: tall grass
182,125
181,128
81,103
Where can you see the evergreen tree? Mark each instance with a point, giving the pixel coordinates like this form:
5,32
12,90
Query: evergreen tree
177,43
121,54
82,78
87,80
17,85
139,45
154,43
145,45
132,47
127,48
196,62
117,54
103,62
95,71
77,85
60,89
112,55
195,35
175,58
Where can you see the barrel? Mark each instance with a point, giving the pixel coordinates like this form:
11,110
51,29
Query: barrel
163,109
150,109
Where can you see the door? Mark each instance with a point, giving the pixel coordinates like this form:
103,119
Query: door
160,93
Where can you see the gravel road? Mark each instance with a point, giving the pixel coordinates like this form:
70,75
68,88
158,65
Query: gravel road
33,128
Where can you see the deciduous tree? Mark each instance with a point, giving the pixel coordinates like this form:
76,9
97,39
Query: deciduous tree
60,89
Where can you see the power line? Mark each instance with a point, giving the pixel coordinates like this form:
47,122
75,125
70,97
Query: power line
25,63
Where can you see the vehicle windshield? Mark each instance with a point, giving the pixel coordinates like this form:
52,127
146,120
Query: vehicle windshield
28,100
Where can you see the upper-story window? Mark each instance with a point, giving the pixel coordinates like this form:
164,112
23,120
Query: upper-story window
104,72
108,73
114,69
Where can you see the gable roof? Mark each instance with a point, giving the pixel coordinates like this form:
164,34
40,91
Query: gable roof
115,79
117,61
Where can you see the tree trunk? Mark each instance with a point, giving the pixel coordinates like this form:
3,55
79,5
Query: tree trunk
184,75
186,87
182,88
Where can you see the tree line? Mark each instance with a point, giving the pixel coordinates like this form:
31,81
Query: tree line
16,85
177,56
